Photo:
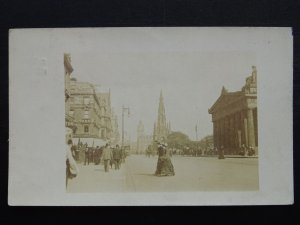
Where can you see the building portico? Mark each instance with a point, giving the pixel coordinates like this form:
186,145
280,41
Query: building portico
234,117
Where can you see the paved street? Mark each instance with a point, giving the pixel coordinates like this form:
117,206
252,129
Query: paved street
192,174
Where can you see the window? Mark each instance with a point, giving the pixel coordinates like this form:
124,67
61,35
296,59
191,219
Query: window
77,100
86,129
86,101
102,133
86,114
71,113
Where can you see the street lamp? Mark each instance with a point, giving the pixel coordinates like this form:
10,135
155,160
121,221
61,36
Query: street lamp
123,111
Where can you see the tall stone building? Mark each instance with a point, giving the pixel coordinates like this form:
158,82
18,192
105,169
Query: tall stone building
106,115
91,111
234,117
115,128
161,127
69,120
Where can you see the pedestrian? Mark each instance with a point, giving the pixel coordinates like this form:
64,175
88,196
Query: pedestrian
243,150
97,155
221,153
123,154
86,155
164,165
77,153
117,156
112,162
71,169
107,157
100,154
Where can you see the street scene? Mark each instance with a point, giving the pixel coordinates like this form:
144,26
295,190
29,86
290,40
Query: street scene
137,175
124,135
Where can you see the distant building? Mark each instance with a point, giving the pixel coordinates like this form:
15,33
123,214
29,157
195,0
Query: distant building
115,128
234,117
106,115
161,128
143,141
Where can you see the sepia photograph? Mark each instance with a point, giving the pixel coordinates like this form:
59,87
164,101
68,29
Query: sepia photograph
161,122
150,116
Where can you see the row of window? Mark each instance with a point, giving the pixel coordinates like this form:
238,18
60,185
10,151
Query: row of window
78,100
85,115
86,130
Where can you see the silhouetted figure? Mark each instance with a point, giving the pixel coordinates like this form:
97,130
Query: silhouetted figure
221,153
107,156
164,165
117,156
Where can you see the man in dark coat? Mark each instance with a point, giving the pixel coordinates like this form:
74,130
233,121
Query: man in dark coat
86,155
117,156
107,156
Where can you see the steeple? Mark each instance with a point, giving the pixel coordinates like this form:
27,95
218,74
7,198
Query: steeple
224,90
161,126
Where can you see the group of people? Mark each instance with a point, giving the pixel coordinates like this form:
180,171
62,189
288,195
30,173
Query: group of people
184,151
112,155
249,151
109,155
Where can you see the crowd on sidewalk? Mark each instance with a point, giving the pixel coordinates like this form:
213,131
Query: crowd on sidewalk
199,151
107,155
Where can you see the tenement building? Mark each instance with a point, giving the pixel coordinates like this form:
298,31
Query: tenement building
234,117
106,130
91,113
115,128
69,120
143,140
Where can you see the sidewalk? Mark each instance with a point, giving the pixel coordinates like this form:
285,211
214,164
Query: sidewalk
226,156
93,178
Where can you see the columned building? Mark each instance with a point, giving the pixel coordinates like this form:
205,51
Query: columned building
161,127
234,117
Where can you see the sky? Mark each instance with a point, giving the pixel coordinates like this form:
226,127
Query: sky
188,69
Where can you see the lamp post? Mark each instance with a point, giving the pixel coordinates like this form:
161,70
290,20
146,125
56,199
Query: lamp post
124,109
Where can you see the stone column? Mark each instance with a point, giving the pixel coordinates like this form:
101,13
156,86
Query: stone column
238,131
219,134
225,132
245,129
215,132
232,134
222,132
251,132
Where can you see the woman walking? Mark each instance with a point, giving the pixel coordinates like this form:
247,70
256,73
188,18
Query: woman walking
164,165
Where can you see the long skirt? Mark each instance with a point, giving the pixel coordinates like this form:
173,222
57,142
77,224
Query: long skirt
164,167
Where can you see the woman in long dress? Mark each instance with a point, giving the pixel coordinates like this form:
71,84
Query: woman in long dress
164,165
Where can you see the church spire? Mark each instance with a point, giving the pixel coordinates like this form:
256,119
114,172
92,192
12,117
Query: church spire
161,124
